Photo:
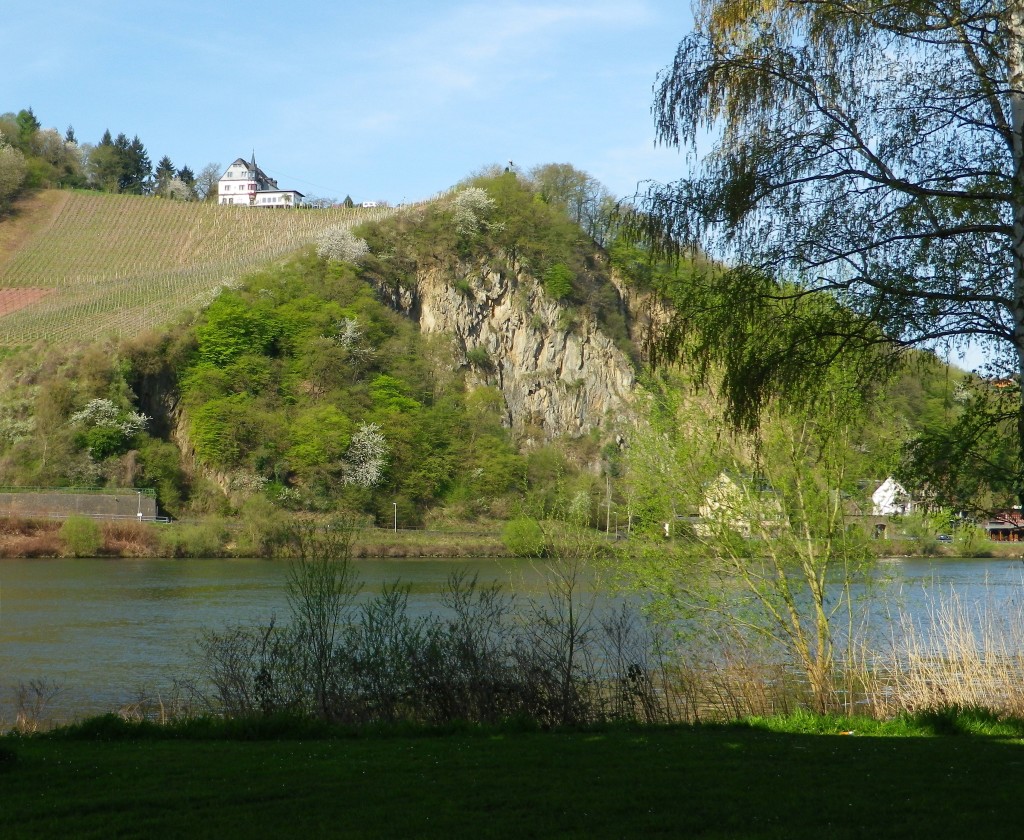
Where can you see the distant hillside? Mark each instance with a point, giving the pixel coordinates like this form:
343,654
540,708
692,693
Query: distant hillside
83,265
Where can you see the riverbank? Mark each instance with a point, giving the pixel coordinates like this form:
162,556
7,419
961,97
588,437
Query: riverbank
32,538
29,538
934,776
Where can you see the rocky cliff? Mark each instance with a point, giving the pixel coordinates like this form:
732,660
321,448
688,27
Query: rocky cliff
559,374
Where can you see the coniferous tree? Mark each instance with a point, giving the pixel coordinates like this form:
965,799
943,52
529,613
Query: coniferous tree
163,175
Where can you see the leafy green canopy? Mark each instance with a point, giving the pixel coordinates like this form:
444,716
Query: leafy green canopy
872,152
288,369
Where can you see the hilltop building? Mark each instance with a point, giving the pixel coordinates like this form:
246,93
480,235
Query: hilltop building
245,183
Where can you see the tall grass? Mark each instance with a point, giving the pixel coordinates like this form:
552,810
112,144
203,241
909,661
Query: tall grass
958,655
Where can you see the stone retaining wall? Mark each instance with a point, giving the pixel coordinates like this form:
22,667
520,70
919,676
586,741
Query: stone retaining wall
124,505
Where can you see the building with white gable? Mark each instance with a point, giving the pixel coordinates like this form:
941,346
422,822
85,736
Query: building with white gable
246,184
891,499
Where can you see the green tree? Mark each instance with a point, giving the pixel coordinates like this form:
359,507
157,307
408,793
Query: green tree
558,281
163,175
871,152
232,328
584,199
768,562
82,536
28,125
12,173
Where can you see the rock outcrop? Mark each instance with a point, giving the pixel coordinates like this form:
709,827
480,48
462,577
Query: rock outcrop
559,374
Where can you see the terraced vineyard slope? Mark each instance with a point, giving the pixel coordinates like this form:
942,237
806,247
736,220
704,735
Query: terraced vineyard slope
91,264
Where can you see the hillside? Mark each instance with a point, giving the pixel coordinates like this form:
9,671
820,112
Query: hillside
82,265
481,348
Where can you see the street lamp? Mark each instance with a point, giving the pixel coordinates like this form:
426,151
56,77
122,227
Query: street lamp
395,505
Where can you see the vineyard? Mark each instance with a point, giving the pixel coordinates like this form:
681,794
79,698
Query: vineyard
115,264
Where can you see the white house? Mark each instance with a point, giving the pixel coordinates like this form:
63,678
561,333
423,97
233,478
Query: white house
245,183
748,506
891,499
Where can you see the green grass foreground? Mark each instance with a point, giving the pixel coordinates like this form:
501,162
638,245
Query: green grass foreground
782,779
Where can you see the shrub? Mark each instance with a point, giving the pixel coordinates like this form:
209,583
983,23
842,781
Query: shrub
558,281
524,537
478,357
339,243
205,539
81,535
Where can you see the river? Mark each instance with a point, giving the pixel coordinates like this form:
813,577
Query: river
104,630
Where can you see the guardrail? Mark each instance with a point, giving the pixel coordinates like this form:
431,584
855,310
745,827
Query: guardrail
148,492
162,520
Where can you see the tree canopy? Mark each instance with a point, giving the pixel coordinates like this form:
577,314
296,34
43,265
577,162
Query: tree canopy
869,152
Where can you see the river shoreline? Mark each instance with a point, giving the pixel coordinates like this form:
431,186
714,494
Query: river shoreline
41,538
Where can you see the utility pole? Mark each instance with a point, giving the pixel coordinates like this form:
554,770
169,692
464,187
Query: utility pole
608,502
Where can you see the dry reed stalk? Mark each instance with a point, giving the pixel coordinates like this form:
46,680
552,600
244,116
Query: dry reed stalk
960,656
31,545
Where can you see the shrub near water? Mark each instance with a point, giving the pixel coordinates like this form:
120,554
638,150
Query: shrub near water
82,536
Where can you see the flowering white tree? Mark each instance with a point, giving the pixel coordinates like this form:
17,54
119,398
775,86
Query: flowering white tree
178,190
102,413
366,456
472,206
339,243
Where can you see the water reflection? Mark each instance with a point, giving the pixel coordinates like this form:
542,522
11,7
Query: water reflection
105,629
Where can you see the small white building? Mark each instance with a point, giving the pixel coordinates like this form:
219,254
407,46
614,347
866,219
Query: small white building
891,499
748,506
246,184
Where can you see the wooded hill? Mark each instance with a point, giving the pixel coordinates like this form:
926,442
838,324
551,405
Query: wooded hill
299,388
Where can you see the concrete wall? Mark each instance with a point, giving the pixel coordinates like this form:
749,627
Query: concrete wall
59,505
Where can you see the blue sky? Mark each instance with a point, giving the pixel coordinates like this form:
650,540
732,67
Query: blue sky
392,100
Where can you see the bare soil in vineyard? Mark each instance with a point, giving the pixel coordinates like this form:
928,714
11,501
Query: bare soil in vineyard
11,300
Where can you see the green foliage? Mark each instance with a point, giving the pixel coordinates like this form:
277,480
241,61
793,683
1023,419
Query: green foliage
524,537
204,539
478,357
222,429
292,365
232,327
160,463
103,441
558,281
82,536
967,457
391,394
769,516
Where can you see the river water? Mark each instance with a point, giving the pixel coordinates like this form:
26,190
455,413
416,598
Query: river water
106,630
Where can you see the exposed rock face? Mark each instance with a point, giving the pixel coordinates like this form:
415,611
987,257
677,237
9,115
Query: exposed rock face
558,372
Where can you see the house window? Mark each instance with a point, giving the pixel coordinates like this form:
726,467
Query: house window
227,186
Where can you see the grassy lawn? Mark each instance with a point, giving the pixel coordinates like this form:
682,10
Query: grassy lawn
678,782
